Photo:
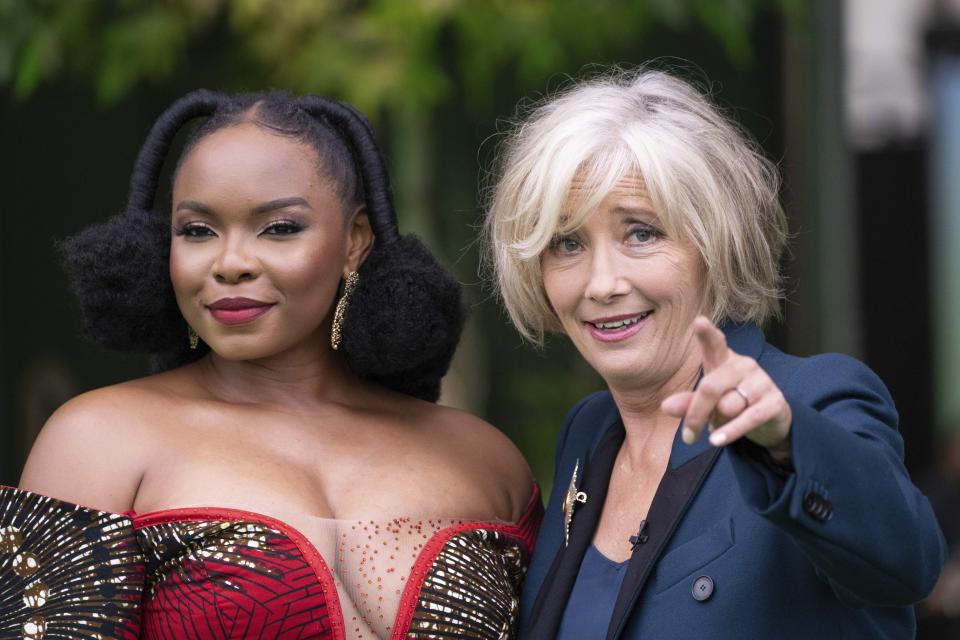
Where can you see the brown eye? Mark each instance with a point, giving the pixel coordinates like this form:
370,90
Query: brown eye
285,228
194,231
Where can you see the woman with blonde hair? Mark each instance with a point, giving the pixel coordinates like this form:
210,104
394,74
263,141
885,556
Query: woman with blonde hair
719,488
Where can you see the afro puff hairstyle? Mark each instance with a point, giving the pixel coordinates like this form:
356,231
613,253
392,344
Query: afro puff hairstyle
405,317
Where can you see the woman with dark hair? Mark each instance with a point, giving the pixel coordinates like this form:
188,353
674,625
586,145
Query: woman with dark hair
287,473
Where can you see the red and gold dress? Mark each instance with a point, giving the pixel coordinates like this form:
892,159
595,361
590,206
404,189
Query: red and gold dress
202,573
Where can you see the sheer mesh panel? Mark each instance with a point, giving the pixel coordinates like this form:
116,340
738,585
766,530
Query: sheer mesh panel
371,563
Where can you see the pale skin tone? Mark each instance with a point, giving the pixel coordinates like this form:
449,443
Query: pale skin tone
622,265
272,420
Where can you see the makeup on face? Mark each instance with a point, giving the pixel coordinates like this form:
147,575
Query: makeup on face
259,243
238,310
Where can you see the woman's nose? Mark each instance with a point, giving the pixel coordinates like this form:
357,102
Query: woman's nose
235,263
606,280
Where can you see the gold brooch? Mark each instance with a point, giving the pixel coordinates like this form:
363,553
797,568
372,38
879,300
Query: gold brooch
570,501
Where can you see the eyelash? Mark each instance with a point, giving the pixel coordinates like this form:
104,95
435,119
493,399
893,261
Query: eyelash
655,234
276,228
190,230
558,240
290,227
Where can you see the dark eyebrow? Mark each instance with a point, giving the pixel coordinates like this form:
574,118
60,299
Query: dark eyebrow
280,203
273,205
192,205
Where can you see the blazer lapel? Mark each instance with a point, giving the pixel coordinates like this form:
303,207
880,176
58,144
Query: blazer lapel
676,491
689,467
552,600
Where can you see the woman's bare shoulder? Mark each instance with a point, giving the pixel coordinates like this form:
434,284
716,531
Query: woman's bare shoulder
94,449
485,457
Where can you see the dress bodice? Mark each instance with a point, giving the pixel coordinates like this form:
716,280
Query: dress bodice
228,573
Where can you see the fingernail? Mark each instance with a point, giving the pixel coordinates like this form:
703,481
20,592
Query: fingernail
689,437
717,439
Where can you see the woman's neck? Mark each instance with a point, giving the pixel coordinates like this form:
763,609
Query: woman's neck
301,377
649,430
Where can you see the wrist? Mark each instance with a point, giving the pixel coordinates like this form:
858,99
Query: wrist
781,452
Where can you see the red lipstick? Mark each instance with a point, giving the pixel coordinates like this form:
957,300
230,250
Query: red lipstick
238,310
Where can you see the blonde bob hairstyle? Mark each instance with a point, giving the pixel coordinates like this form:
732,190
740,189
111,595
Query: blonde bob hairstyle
707,181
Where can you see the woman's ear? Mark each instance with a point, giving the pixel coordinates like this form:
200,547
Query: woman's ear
359,238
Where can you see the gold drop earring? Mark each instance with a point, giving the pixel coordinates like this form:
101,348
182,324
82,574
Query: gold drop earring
336,334
192,338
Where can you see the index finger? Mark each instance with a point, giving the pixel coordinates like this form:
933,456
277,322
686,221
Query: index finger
713,343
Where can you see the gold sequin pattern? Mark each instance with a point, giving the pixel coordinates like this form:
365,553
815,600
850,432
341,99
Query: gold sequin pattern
36,594
171,546
34,628
472,589
10,539
67,572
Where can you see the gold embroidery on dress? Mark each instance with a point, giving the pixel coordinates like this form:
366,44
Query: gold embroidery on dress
66,571
170,546
34,628
472,589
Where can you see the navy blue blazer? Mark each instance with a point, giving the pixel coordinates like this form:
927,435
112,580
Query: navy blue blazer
840,547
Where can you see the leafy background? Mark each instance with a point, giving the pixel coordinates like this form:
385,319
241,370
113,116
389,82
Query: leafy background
440,79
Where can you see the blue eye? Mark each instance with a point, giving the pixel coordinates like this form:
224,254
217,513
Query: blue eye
564,244
644,234
284,228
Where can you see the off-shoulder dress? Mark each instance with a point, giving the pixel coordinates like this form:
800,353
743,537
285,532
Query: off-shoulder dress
67,571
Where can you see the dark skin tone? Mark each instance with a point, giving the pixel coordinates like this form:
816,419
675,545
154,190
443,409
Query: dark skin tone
272,420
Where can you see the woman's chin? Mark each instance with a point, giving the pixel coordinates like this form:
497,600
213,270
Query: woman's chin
239,351
619,372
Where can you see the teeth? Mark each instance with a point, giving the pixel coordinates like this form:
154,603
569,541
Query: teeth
617,324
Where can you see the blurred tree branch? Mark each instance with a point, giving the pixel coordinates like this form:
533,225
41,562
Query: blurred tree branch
382,55
430,70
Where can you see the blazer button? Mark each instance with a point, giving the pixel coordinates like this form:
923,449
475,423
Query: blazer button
702,588
818,506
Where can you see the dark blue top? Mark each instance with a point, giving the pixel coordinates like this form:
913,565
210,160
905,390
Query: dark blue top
593,596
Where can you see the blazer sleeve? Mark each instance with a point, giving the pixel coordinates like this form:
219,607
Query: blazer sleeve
67,571
849,504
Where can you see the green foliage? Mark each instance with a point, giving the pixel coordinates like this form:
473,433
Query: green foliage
544,399
436,73
381,54
110,45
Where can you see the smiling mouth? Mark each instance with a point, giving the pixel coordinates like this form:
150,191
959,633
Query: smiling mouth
232,311
620,323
